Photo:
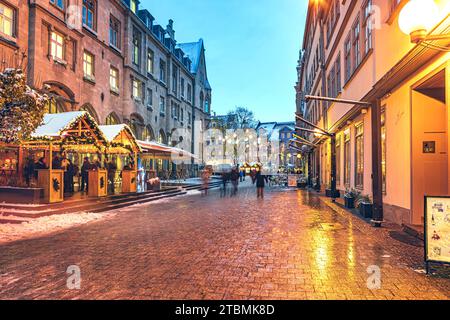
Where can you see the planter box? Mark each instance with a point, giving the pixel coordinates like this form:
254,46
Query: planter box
349,203
365,209
329,194
21,195
301,185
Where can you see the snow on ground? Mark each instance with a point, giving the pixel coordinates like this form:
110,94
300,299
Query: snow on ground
49,224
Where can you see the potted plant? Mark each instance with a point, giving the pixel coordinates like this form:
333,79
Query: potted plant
365,206
302,183
349,198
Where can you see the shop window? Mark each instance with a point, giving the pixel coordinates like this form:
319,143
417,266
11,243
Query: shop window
359,156
338,160
383,149
347,159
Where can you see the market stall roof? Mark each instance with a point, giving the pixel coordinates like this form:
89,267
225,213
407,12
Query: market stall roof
69,129
152,147
120,134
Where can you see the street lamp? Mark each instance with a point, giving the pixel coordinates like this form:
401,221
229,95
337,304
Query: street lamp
418,17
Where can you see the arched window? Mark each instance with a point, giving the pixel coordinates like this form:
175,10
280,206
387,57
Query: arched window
90,109
137,125
207,106
147,134
111,119
162,137
55,106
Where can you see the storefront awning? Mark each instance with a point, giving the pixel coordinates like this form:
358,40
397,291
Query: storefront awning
159,150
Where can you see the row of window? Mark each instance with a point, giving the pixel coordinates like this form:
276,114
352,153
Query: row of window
343,141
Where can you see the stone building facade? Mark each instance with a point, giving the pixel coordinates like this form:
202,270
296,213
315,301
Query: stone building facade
111,59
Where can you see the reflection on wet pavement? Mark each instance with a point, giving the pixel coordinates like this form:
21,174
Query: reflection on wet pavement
291,245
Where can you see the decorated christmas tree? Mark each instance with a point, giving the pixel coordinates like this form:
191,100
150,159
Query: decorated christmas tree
21,108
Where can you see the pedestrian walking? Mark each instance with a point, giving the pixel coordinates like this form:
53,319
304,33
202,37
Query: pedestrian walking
224,177
234,177
260,181
205,181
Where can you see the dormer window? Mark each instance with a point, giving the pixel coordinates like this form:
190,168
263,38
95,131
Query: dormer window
133,6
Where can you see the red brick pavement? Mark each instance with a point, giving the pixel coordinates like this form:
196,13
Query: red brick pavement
291,245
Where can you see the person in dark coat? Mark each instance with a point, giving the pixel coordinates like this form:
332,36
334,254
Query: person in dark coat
29,170
39,165
85,174
112,168
70,172
56,163
234,177
260,181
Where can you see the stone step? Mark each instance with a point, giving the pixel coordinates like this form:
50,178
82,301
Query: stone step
95,205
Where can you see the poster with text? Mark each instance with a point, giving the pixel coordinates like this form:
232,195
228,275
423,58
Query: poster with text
437,224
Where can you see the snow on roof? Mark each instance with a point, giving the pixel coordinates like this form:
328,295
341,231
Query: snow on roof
112,131
53,124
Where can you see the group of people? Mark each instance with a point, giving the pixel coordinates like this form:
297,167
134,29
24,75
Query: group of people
233,176
72,170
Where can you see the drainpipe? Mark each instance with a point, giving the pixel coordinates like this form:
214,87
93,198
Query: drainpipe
377,176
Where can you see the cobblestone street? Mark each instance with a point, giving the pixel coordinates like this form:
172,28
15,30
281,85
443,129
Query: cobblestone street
291,245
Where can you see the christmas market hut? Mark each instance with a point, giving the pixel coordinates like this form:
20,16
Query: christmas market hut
72,137
122,155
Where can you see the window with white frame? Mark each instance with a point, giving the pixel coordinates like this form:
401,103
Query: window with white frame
347,157
114,32
90,14
137,89
359,156
57,45
7,20
114,79
356,51
162,105
88,65
368,26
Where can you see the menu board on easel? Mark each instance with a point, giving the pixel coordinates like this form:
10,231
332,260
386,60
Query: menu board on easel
437,229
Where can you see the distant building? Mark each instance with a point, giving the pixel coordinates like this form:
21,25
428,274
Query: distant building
280,133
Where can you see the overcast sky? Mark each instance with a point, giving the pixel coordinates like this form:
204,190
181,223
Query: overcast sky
251,49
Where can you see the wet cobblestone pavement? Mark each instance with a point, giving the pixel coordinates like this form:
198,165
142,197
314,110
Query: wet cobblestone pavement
291,245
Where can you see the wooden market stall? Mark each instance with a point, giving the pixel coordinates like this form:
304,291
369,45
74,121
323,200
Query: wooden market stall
65,133
122,143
